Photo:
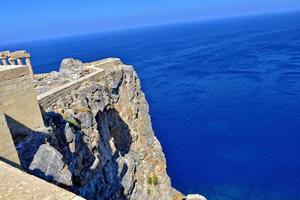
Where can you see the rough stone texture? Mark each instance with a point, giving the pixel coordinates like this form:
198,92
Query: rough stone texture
145,148
50,97
18,100
70,70
16,184
7,147
48,163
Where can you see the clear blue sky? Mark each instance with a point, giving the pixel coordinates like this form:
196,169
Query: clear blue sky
30,19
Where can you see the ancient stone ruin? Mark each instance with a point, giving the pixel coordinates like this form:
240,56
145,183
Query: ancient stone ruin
16,58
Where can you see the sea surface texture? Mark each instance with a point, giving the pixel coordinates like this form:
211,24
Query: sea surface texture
224,98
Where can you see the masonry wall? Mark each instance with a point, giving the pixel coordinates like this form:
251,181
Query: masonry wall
18,99
106,63
47,99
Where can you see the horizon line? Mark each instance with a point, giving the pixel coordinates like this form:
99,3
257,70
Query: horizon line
128,28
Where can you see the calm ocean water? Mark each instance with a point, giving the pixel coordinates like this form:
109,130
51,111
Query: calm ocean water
224,97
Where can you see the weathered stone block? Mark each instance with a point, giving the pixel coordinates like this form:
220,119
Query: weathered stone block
18,100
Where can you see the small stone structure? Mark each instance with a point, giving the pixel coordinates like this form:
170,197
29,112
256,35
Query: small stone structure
16,58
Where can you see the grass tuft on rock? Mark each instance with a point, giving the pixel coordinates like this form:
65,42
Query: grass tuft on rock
73,122
152,180
149,180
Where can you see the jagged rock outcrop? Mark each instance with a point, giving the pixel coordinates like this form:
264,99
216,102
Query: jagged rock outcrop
48,163
69,64
99,142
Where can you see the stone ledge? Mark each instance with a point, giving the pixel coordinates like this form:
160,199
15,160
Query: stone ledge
16,184
8,72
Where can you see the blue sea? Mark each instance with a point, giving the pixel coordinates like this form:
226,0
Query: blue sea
224,98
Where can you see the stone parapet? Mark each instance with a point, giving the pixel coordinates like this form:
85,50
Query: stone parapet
105,63
16,184
49,98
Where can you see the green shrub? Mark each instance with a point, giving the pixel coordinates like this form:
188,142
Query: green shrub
152,180
73,122
149,180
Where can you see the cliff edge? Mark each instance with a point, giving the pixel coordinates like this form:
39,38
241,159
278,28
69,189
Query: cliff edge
99,142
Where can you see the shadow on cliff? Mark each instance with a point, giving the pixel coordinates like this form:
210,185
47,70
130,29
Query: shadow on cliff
117,128
27,143
96,173
26,140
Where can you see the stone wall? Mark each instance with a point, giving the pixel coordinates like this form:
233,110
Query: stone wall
18,99
16,184
49,98
106,63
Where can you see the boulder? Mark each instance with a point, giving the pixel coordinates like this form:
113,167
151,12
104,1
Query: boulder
48,164
69,133
85,119
195,197
68,64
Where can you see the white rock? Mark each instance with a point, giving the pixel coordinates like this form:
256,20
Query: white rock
195,197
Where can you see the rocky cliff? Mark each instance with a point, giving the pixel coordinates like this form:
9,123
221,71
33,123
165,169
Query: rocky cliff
99,141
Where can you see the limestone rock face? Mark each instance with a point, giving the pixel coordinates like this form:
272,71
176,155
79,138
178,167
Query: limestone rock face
100,141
